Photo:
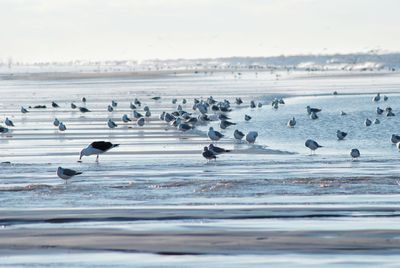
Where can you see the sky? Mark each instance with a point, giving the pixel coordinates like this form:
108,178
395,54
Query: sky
62,30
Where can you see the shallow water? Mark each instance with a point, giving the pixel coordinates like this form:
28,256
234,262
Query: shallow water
157,166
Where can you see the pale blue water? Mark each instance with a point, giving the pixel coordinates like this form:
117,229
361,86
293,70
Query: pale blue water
137,174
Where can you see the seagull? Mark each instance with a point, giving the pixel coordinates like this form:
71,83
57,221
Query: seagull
395,138
156,98
341,135
132,106
252,104
377,97
342,113
168,117
291,122
207,154
137,102
238,135
224,124
114,103
367,122
174,100
140,122
184,101
376,121
223,117
125,118
66,174
137,114
379,110
97,148
148,113
214,135
354,153
62,127
24,111
84,100
184,127
73,106
251,136
111,123
312,145
84,110
259,105
238,101
275,105
4,130
217,150
313,116
162,116
110,108
398,145
247,117
390,113
56,122
313,110
9,123
385,98
55,105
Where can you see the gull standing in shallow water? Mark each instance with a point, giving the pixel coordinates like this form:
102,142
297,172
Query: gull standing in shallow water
354,153
66,174
217,150
312,145
111,123
291,122
395,138
207,154
97,148
238,135
251,136
341,135
214,135
9,123
23,110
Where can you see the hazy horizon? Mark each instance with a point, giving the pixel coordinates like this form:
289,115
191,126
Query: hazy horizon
44,30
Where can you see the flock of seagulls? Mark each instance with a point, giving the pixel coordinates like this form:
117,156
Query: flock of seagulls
354,153
203,112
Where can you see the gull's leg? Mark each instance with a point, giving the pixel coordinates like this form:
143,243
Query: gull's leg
97,159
